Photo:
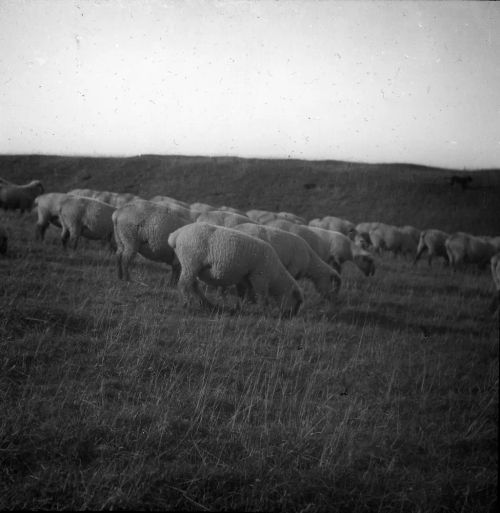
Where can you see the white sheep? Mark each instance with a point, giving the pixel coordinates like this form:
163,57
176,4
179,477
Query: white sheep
432,241
47,206
233,210
85,217
288,216
463,248
223,218
13,197
319,246
495,273
167,200
266,216
392,238
342,249
201,207
115,199
3,240
143,227
298,257
223,257
335,224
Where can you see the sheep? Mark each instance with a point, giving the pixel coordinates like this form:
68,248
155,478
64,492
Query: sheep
170,201
298,257
233,210
432,241
391,238
13,197
222,256
201,207
223,218
288,216
48,206
266,216
335,224
413,232
3,241
495,273
143,227
318,245
343,249
115,199
176,207
463,248
85,217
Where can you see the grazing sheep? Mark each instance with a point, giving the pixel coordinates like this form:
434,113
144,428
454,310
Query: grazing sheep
13,197
143,227
343,249
223,257
495,273
115,199
266,216
413,232
391,238
298,257
288,216
224,208
3,241
432,241
318,245
85,217
48,206
463,248
176,207
223,218
167,200
201,207
335,224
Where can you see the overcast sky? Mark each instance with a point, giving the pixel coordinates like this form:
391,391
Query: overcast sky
365,81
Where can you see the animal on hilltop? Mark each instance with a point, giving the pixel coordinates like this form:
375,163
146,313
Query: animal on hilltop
20,197
223,257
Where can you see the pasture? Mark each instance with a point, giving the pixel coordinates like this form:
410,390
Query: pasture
114,396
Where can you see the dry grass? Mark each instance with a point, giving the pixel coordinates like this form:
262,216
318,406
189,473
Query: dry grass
113,396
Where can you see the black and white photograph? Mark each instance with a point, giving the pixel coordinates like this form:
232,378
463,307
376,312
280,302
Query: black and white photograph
249,255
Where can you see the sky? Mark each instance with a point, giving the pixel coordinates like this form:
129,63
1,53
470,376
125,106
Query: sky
413,81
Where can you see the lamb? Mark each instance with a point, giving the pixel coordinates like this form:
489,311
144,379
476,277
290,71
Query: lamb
335,224
85,217
13,197
298,257
495,273
3,240
223,257
432,241
463,248
343,249
143,227
48,206
223,218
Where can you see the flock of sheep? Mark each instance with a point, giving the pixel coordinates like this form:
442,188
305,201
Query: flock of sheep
259,252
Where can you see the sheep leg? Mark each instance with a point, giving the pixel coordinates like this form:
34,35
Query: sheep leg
126,258
188,287
64,236
175,273
40,230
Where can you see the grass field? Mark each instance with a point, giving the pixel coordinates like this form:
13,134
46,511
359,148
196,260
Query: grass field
113,396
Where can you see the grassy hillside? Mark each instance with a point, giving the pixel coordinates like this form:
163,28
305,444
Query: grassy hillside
392,193
113,396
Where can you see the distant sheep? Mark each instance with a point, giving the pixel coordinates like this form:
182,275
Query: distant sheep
392,238
47,206
343,249
223,218
463,248
115,199
432,241
298,257
464,181
143,227
169,201
225,208
178,207
13,197
85,217
201,207
223,257
266,216
3,240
